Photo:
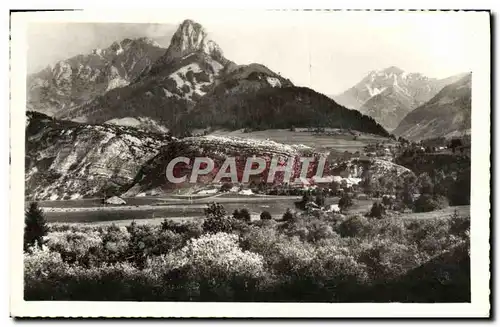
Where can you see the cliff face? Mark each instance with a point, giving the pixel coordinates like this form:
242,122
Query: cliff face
67,160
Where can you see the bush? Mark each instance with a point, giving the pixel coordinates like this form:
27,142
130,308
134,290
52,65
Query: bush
265,215
460,193
428,202
226,187
320,199
35,226
289,216
188,229
345,202
459,225
377,210
214,209
74,246
115,243
242,214
354,226
387,259
388,201
220,268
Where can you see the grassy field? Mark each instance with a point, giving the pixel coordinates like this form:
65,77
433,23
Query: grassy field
165,209
338,142
153,209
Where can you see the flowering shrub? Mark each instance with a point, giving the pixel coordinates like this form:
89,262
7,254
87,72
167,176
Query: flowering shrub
76,246
306,258
42,267
221,253
115,242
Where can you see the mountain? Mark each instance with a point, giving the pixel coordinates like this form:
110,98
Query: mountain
447,114
69,160
390,94
193,85
166,88
79,79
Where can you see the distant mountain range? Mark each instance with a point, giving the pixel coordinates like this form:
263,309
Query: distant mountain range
74,81
190,84
447,114
389,95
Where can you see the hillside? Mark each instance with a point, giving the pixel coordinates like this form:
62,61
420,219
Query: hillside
276,107
68,160
217,148
74,81
445,115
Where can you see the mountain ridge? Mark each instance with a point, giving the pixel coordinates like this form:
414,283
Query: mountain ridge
78,79
447,114
193,76
390,94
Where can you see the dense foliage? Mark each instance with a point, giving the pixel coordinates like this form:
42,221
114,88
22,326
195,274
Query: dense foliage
303,257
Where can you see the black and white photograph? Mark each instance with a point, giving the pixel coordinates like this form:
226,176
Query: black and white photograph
272,158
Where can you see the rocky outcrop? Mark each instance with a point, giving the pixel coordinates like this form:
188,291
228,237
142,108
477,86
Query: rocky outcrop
67,160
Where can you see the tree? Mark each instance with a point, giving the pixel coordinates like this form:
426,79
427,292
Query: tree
242,214
334,187
35,226
216,220
425,184
265,215
455,143
288,216
306,198
226,187
345,202
215,209
320,199
377,210
428,202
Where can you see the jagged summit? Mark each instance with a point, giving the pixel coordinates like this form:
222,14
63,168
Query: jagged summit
74,81
393,70
190,37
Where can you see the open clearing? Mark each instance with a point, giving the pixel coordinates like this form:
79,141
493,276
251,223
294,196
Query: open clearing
338,142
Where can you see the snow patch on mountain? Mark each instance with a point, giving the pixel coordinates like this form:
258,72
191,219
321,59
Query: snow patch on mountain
169,94
179,76
273,81
374,91
139,122
116,82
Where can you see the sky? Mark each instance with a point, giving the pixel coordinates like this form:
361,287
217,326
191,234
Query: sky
328,52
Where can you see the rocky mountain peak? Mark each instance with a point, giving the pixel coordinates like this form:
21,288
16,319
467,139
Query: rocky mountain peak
393,70
189,38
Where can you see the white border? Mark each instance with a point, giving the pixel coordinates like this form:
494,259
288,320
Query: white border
479,199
